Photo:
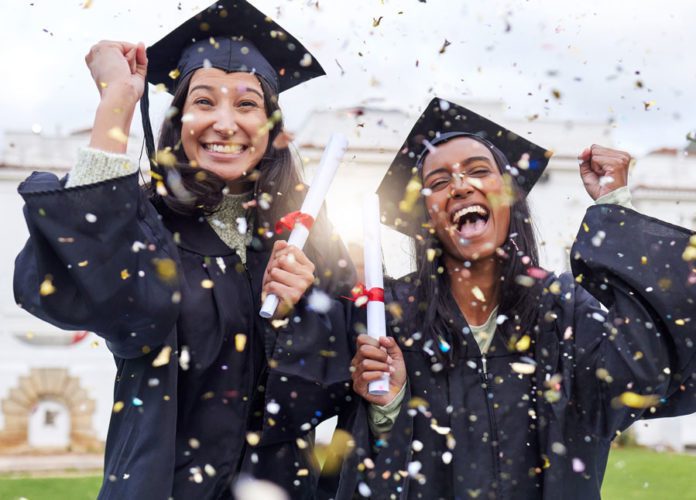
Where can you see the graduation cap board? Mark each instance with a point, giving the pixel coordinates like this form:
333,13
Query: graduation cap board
442,121
231,35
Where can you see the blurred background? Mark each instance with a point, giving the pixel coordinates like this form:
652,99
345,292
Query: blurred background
563,74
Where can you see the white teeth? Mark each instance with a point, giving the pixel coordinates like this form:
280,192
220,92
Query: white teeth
224,148
474,209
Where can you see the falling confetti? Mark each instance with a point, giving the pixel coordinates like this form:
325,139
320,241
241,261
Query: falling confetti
117,135
46,288
240,340
163,357
633,400
445,44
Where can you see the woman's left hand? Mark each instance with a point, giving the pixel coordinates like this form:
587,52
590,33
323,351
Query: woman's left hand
603,170
288,275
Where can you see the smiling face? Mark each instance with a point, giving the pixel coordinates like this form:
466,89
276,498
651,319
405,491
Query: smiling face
467,204
224,120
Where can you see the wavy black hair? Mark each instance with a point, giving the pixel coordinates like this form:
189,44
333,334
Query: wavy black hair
516,301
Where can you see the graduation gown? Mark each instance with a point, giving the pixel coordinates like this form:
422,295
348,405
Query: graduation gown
179,311
622,326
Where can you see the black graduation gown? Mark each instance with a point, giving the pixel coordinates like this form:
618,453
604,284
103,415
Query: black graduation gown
483,430
151,283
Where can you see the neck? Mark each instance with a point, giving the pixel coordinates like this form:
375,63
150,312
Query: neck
474,288
239,186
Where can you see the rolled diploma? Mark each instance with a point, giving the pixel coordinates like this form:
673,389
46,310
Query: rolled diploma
330,160
376,325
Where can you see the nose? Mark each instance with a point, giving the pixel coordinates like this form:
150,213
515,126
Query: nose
460,186
225,123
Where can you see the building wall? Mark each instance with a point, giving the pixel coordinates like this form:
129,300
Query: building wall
375,135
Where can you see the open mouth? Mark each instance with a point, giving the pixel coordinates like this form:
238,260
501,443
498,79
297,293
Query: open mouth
471,221
213,147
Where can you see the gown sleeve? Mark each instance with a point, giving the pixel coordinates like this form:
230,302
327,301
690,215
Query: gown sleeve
98,258
637,351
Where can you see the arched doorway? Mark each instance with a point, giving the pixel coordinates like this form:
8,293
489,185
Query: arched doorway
48,410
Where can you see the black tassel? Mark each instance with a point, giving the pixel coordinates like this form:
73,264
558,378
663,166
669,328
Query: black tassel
147,131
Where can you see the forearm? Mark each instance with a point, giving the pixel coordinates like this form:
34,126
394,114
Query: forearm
112,121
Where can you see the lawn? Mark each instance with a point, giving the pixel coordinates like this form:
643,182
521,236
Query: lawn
633,473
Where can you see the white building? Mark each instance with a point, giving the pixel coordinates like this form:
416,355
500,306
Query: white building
56,387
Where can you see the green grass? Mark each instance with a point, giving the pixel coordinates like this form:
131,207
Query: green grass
50,488
636,473
632,474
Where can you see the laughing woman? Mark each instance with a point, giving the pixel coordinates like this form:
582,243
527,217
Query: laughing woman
508,381
172,278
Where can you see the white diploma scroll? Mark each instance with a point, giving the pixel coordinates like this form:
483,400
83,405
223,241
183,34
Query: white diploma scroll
330,161
376,324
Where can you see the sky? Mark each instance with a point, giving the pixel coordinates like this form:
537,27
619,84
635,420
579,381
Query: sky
628,64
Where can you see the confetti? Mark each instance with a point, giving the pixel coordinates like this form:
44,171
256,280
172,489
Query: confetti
523,368
240,340
137,401
125,274
91,218
46,288
165,269
162,358
256,489
253,438
476,291
118,406
184,358
376,21
633,400
117,135
413,189
207,283
445,44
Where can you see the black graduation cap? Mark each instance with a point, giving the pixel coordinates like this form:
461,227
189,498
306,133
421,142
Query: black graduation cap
442,120
231,35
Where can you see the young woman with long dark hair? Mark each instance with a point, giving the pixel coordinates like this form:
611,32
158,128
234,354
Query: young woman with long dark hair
172,276
506,380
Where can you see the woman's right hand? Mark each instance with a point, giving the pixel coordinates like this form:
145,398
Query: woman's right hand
374,358
118,69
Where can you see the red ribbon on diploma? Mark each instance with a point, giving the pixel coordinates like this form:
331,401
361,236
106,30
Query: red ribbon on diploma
288,221
361,296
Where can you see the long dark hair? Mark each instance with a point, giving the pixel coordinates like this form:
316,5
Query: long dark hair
517,300
192,191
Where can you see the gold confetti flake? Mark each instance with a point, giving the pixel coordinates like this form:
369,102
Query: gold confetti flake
118,406
163,357
376,21
125,274
240,342
679,322
633,400
165,269
174,74
206,283
86,4
478,294
302,472
431,253
413,190
643,260
47,287
253,438
84,263
522,368
117,135
523,344
165,157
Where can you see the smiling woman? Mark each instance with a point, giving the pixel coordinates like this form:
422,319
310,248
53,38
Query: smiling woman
172,274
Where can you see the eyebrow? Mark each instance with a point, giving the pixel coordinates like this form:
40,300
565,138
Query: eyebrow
464,163
211,89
